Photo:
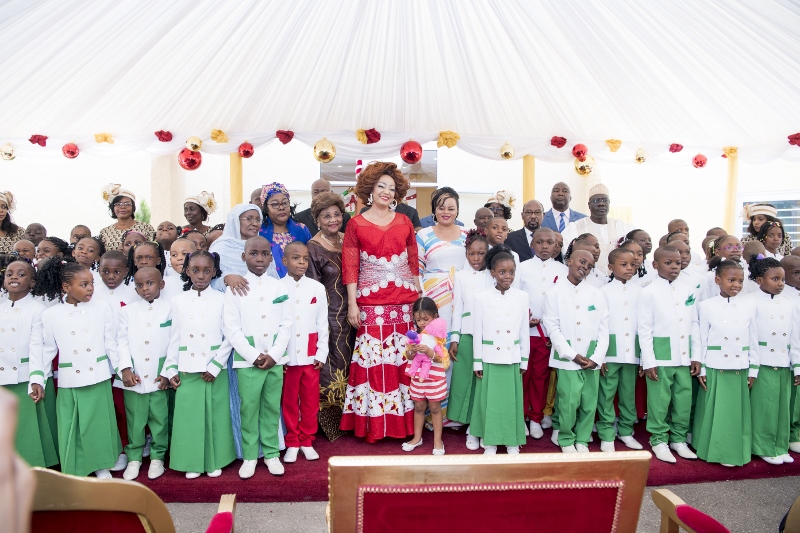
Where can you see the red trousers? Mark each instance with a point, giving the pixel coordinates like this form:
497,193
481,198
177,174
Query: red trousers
300,404
536,379
119,409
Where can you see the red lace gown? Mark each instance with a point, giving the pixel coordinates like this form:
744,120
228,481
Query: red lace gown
382,260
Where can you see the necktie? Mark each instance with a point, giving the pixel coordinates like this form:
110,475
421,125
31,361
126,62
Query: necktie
561,225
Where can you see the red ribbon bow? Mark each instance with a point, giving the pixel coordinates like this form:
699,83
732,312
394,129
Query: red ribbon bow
373,135
675,148
284,136
558,142
164,136
794,139
41,140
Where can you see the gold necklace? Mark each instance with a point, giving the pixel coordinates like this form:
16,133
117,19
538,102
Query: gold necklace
336,244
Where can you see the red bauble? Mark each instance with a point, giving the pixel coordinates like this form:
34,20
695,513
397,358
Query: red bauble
411,152
246,150
675,148
699,161
70,150
580,151
189,160
558,142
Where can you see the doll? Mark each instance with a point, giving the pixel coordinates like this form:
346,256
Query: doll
434,337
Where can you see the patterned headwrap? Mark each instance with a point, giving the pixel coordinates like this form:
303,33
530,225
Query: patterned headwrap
271,189
7,198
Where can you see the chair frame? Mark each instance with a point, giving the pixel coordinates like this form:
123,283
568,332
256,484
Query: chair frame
667,501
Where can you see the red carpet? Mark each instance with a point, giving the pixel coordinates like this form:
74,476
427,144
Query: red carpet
308,480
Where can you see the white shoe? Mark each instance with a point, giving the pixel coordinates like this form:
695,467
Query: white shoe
132,470
291,455
490,450
536,430
473,443
512,450
439,451
122,462
581,448
727,465
630,442
309,453
156,469
103,474
215,473
786,458
794,447
688,438
554,437
274,466
147,441
607,446
662,453
773,460
248,468
683,450
192,475
407,446
569,449
547,422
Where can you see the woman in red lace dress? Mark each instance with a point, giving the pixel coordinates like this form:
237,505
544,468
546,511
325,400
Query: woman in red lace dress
380,269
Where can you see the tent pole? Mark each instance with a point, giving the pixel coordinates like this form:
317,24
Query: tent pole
730,190
528,178
236,179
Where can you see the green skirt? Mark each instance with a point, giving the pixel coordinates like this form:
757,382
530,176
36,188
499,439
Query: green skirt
34,440
88,439
50,392
202,435
497,413
769,402
794,414
462,384
725,434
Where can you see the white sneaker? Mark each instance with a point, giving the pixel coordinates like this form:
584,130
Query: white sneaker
490,450
274,466
662,453
473,443
607,446
215,473
147,441
103,474
554,437
512,450
291,455
192,475
309,453
248,468
156,469
581,448
683,450
786,458
773,460
630,442
536,430
132,470
794,447
569,449
439,451
547,422
406,447
122,462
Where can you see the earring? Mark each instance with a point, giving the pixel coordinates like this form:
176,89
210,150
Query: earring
369,200
393,205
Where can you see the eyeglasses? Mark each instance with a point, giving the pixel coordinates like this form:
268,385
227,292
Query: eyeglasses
732,248
600,201
276,205
497,209
123,204
249,219
531,213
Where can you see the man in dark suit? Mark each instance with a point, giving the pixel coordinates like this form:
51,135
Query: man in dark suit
520,240
560,215
321,185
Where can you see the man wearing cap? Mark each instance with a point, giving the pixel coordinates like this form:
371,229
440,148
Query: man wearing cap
320,185
606,230
560,215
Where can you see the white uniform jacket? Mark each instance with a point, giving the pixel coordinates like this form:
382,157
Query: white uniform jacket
776,330
259,322
500,324
196,342
596,278
173,286
693,280
20,338
85,338
466,284
622,300
576,318
725,328
116,298
143,340
667,322
536,276
308,341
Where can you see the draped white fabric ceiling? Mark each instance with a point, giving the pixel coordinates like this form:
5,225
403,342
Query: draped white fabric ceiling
702,73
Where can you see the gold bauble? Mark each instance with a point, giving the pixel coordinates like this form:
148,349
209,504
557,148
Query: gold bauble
507,151
585,167
641,155
194,143
7,152
324,151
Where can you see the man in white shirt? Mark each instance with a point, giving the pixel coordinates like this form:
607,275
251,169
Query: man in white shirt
560,215
606,230
520,240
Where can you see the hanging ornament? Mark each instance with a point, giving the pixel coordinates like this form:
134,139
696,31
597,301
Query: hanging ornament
103,138
219,136
675,148
163,136
613,144
699,161
324,151
41,140
448,138
411,152
246,150
70,150
580,151
794,139
507,151
558,142
194,143
7,152
190,159
369,136
729,151
584,167
641,155
284,136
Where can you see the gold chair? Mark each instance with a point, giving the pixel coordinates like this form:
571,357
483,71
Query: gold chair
565,492
676,514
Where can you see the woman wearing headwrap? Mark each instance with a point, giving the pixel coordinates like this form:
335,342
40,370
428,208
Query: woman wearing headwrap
278,227
758,214
501,203
10,233
122,208
196,210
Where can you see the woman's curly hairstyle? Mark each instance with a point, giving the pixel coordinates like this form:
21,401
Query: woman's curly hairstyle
373,172
323,201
